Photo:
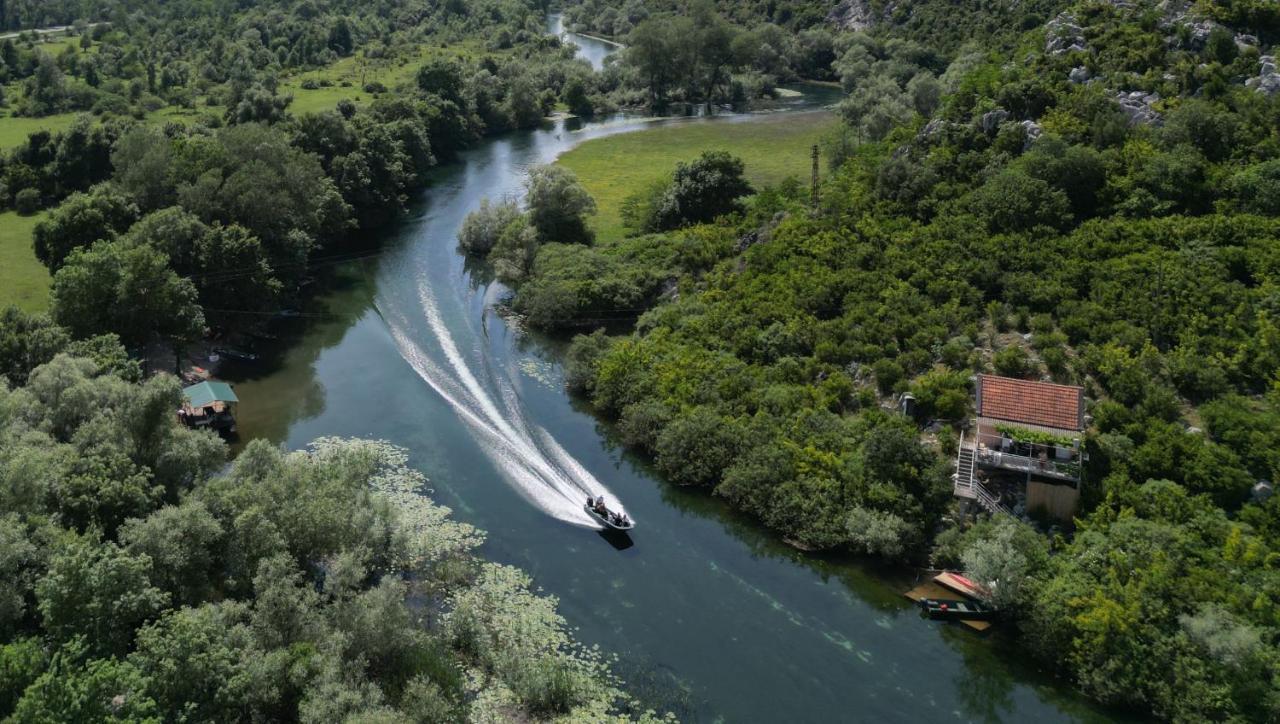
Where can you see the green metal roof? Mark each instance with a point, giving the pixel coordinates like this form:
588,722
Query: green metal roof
207,393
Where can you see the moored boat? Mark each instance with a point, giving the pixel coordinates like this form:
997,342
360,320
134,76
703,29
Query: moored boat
954,609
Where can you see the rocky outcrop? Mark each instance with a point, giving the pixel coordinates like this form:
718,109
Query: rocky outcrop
1267,80
991,120
1033,131
1138,107
1078,74
1063,35
855,15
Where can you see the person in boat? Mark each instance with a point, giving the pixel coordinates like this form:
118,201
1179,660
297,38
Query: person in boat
623,520
600,506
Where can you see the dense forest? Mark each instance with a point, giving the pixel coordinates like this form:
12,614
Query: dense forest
1092,197
1095,205
143,581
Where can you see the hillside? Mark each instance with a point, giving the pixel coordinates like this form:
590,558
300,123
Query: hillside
1093,205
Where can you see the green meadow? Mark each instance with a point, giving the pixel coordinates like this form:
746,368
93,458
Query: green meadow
614,167
347,77
24,281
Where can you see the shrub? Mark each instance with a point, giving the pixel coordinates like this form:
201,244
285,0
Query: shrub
27,202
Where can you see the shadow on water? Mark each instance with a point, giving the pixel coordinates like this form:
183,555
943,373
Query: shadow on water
620,540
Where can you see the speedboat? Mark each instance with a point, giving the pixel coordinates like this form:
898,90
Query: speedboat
607,518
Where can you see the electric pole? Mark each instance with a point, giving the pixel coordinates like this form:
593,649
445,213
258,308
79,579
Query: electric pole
814,189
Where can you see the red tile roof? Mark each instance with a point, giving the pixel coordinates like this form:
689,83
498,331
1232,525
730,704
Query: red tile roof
1031,403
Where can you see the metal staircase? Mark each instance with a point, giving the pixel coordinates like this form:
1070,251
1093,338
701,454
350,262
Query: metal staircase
965,484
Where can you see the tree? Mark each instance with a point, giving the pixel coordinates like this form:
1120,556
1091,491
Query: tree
576,98
97,591
660,51
1013,201
46,89
26,342
143,160
82,219
182,543
483,227
696,447
198,661
442,77
709,187
1005,560
558,205
340,40
877,533
252,176
127,289
76,688
233,275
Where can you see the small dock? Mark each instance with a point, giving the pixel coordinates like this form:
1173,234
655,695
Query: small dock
935,588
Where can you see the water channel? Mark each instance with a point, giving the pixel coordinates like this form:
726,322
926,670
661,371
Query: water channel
706,611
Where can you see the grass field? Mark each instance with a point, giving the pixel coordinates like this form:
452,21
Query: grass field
24,282
612,168
14,131
356,71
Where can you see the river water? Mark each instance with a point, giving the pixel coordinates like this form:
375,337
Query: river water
708,614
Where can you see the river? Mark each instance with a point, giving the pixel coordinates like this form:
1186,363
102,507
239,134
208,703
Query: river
708,614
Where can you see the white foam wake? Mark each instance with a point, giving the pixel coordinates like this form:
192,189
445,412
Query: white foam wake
528,457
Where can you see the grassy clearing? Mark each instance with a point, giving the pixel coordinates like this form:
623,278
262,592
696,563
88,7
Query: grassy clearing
354,71
612,168
14,131
347,77
24,281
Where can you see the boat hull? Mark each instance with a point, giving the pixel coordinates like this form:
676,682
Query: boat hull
604,519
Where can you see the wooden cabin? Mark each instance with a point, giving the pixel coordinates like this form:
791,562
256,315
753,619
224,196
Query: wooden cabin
1023,453
209,405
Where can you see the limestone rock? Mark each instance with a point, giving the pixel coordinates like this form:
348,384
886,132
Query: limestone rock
991,120
1267,80
1138,107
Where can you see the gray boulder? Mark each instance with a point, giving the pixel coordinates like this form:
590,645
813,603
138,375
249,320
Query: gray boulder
991,120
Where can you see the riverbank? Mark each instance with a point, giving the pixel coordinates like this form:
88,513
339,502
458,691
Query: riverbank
405,348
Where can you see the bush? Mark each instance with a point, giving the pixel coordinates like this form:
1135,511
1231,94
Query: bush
483,227
580,361
696,447
888,374
27,202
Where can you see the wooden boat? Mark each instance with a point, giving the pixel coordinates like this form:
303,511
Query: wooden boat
236,354
954,609
606,518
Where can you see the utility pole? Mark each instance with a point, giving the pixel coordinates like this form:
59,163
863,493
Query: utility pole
814,190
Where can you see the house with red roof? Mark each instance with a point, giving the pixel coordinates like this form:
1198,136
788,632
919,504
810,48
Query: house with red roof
1022,454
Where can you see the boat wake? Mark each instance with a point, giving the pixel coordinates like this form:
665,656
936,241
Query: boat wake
529,458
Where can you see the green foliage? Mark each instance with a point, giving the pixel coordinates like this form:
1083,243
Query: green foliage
558,205
129,290
483,227
276,589
102,213
698,192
